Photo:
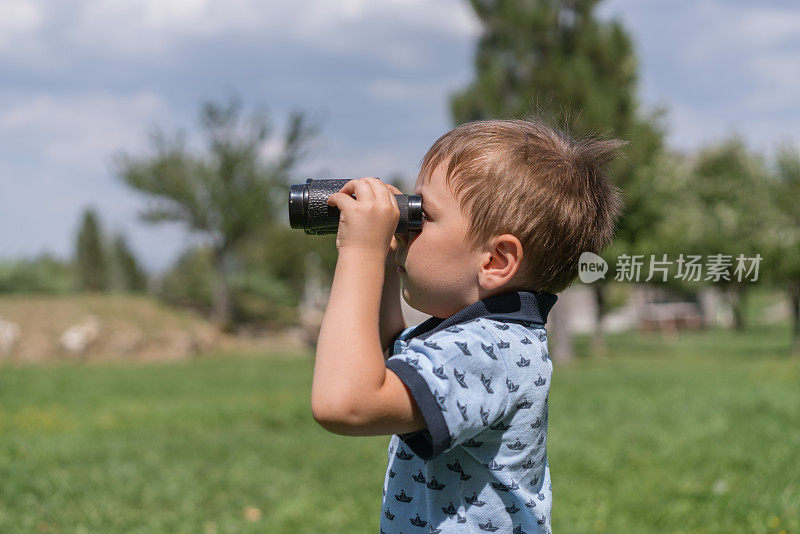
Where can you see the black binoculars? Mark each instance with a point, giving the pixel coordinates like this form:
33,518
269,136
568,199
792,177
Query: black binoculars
309,209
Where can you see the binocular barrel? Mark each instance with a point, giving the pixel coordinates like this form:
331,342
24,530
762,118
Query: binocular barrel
309,209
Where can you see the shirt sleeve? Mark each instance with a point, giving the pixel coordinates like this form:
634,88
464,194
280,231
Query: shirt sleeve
459,381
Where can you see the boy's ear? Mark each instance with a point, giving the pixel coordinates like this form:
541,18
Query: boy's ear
501,262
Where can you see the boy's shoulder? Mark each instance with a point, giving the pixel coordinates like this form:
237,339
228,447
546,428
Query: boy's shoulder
482,335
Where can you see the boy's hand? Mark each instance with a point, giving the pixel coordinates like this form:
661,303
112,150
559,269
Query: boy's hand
369,220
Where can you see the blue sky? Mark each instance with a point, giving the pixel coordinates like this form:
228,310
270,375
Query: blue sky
82,79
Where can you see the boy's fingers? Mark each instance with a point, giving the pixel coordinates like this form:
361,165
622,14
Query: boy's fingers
340,200
365,190
380,189
394,190
360,187
389,189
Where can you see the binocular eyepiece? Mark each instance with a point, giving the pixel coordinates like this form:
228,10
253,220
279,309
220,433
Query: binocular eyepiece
309,209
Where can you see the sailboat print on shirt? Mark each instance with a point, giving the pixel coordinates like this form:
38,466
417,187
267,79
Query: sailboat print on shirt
500,426
494,466
502,487
512,387
489,350
516,446
413,362
450,510
487,526
460,378
417,522
463,346
487,383
474,501
403,497
484,417
463,409
403,455
438,372
435,485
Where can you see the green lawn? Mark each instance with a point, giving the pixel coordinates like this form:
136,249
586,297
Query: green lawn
697,435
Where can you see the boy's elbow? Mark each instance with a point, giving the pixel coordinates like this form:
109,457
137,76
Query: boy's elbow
337,415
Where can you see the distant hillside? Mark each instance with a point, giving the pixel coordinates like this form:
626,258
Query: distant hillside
114,327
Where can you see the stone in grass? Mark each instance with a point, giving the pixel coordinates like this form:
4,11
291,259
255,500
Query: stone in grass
9,336
78,337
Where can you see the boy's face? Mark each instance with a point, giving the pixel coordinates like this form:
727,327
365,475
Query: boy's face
441,274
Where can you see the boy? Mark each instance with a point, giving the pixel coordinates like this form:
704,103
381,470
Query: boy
509,206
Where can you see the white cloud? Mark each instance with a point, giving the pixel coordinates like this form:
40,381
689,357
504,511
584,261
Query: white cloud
80,130
20,16
17,19
146,27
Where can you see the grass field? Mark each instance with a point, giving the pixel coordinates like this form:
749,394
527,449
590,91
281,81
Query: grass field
697,435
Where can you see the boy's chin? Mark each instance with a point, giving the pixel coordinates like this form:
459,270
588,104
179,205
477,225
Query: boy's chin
420,307
411,302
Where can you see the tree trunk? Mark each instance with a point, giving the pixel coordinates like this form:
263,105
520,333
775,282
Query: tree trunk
560,345
598,338
736,294
794,301
221,307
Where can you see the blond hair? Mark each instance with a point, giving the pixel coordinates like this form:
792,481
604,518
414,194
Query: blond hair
528,179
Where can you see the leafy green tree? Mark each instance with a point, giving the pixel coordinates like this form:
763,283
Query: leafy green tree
787,259
44,274
128,275
724,206
190,280
90,254
229,193
557,57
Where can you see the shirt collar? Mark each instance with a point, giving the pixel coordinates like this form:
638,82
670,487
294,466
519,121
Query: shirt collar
516,306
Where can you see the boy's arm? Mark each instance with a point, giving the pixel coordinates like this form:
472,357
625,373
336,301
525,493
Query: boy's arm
391,314
352,392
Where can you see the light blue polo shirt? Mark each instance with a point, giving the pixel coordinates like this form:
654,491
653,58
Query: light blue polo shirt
481,378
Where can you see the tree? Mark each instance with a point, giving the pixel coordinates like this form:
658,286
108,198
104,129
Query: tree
228,193
90,255
787,258
555,55
43,274
724,207
128,274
